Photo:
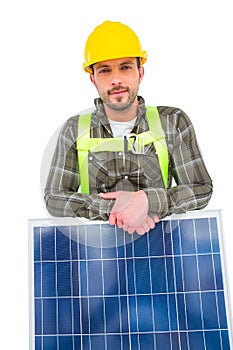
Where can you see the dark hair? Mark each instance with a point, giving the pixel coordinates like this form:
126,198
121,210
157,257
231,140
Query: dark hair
138,59
138,62
92,68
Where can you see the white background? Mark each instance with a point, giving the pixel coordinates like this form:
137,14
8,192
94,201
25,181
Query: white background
42,84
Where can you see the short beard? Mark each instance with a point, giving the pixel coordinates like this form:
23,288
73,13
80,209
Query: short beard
119,106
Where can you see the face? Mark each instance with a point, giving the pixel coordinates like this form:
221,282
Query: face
117,82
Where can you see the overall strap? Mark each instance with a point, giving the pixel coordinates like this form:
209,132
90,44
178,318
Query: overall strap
133,142
160,144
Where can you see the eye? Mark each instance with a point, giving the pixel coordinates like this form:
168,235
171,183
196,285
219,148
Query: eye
104,70
126,67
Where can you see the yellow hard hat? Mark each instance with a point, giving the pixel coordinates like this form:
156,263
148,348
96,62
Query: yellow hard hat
112,40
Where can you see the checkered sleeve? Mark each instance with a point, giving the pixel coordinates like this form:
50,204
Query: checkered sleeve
193,188
62,197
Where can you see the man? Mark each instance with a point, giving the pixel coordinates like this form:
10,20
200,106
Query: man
130,186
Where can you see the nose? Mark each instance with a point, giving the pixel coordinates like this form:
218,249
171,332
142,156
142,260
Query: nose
116,79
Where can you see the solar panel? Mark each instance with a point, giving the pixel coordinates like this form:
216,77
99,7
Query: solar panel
95,287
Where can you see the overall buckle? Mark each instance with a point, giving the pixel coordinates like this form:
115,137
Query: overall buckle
134,143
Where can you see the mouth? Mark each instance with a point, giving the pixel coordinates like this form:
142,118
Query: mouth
117,91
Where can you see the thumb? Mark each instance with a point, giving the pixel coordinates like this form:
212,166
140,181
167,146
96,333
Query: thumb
108,195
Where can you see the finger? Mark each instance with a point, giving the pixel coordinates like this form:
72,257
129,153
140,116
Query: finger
146,227
141,230
112,219
108,195
119,223
150,222
156,219
130,229
125,228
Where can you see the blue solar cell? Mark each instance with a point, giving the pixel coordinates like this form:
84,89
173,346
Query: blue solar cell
222,310
37,280
49,316
38,313
109,269
48,279
64,316
94,269
47,243
63,279
38,343
158,275
181,310
49,343
176,243
197,340
96,287
213,340
173,317
202,231
210,310
188,243
163,341
97,311
75,281
214,235
179,285
36,250
218,271
156,246
142,249
191,280
112,310
206,272
62,246
161,312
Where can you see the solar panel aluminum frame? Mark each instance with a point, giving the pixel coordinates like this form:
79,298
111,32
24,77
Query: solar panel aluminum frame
53,222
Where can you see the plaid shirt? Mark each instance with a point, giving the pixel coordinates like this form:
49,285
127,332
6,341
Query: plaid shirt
190,186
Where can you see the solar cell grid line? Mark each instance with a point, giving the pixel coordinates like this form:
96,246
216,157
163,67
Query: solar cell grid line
183,286
41,289
77,257
56,287
119,292
166,290
199,284
88,289
127,296
151,292
204,289
215,282
103,284
175,285
88,292
71,287
215,285
136,298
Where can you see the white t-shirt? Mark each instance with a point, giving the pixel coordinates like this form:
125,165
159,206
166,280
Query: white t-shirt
122,128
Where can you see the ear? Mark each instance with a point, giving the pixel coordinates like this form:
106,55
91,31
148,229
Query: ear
141,73
92,79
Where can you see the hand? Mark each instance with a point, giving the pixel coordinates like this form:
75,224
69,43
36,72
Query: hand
146,226
130,211
130,208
